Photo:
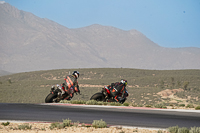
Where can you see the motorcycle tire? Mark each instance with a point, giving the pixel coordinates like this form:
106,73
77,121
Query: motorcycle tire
50,98
98,97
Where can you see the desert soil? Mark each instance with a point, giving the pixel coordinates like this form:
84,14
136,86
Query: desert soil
44,128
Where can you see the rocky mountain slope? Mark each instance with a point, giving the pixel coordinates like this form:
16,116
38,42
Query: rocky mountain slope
30,43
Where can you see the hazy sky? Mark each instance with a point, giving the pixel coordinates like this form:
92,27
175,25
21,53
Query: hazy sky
169,23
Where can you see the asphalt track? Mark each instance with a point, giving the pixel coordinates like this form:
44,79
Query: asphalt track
123,116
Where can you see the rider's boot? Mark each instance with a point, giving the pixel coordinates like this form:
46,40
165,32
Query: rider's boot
59,96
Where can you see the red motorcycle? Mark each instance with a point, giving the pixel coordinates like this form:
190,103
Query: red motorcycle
105,95
55,94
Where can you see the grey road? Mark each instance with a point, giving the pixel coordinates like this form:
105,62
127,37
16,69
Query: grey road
112,116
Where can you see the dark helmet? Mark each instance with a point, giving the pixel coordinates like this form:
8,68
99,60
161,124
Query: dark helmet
123,81
76,74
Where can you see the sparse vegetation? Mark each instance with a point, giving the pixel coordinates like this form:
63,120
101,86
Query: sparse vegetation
9,81
92,102
5,124
183,130
173,129
160,131
148,106
56,125
190,106
24,127
160,105
143,85
176,129
99,124
126,104
67,123
73,101
197,108
181,105
195,130
185,85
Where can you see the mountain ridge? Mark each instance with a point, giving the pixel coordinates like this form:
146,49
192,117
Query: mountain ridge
30,43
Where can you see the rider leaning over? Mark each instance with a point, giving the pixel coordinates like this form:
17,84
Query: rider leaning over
118,90
70,84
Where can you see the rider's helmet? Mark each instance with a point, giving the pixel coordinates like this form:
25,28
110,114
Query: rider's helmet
123,81
76,74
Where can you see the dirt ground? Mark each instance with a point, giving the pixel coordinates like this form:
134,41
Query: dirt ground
44,128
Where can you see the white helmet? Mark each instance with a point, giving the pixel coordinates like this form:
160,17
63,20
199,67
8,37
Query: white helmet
123,81
76,74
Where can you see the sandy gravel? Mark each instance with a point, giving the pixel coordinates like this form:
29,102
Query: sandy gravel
44,128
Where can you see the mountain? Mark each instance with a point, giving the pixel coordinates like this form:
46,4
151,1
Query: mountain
2,73
30,43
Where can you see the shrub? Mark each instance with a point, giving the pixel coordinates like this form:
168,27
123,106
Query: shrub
87,125
117,104
173,129
67,122
164,107
73,101
159,105
5,124
105,103
24,127
60,125
76,124
83,125
77,102
100,103
9,81
64,101
195,130
135,130
134,105
91,102
183,130
99,124
126,104
160,131
181,105
56,125
148,106
190,106
112,103
197,108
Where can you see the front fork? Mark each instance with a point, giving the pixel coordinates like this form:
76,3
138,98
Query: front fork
57,92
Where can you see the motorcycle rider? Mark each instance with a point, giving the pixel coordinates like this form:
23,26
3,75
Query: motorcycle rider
117,90
70,85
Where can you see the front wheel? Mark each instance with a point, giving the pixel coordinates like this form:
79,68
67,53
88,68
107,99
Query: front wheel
51,98
98,97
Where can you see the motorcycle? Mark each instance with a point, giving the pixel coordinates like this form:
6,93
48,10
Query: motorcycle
105,95
55,94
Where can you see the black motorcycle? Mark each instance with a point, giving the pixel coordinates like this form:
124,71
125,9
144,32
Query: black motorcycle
55,95
105,95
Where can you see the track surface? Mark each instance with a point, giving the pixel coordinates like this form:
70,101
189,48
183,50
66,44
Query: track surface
111,115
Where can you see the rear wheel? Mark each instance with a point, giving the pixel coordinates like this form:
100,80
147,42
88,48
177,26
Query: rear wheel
98,97
51,98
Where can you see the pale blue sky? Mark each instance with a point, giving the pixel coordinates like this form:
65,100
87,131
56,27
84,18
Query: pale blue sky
169,23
